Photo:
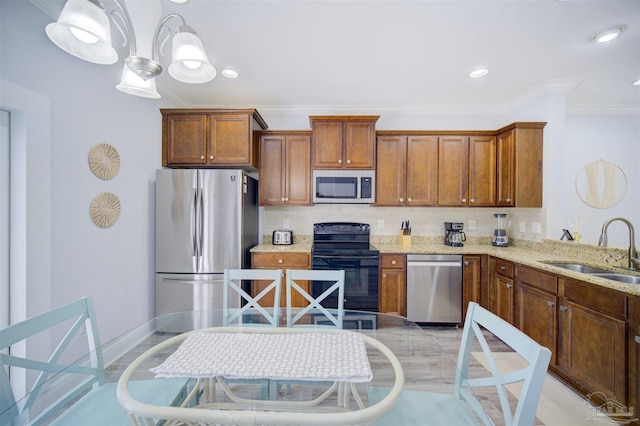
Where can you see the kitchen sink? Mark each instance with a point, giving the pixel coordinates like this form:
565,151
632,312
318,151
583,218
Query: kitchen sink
615,276
579,267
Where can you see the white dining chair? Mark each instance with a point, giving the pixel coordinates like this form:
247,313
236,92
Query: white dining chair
77,390
464,407
333,283
250,306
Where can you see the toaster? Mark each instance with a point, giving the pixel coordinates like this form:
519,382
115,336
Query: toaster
282,237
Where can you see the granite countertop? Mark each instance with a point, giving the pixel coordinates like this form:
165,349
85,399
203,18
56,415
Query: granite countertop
529,256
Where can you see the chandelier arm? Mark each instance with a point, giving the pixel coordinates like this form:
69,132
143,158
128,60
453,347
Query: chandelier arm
118,21
128,31
159,28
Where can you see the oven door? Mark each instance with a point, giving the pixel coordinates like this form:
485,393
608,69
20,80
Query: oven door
361,281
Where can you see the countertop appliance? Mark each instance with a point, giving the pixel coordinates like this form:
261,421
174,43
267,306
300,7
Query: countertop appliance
453,234
434,288
282,237
344,186
206,221
500,238
345,245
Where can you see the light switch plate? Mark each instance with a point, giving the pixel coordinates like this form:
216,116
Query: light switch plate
523,226
472,225
381,224
285,223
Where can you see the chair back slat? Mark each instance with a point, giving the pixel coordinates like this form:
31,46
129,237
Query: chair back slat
82,316
252,304
336,284
532,376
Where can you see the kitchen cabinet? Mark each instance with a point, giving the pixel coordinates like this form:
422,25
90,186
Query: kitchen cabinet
406,170
466,171
341,142
210,137
537,306
501,291
474,282
285,168
519,165
284,261
393,284
592,347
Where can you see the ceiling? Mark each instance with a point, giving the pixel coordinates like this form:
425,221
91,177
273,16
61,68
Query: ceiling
407,55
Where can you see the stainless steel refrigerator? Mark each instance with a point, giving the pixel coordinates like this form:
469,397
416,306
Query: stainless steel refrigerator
206,221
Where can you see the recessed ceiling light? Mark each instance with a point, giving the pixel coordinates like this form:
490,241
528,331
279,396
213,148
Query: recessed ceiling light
636,83
230,73
610,34
480,72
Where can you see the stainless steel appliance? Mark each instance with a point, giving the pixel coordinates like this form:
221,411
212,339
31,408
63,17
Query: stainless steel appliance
344,186
453,234
282,237
434,288
345,245
206,221
500,238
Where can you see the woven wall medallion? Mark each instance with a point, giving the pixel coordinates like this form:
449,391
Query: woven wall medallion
104,161
105,209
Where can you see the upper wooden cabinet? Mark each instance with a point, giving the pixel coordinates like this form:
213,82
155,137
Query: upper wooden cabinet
407,170
285,168
519,165
467,171
341,142
210,137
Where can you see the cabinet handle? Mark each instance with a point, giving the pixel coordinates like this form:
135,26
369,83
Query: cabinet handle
202,157
384,275
563,308
286,200
472,200
466,263
280,261
393,262
502,268
401,199
348,161
550,303
464,200
508,200
211,157
340,161
409,199
508,285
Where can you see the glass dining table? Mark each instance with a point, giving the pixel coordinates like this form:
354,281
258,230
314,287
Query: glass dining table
423,363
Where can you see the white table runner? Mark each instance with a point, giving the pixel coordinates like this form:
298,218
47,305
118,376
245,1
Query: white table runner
287,356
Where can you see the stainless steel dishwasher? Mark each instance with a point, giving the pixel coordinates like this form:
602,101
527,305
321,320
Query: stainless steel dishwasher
434,288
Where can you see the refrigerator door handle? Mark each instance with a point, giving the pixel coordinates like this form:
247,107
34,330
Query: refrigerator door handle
194,223
200,229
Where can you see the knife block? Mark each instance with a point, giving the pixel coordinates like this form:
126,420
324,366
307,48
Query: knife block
404,240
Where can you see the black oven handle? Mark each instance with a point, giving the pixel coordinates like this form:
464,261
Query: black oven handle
343,257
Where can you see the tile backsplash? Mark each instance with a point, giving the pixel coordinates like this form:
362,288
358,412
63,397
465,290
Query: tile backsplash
425,221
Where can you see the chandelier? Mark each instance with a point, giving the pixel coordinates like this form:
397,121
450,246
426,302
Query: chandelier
83,30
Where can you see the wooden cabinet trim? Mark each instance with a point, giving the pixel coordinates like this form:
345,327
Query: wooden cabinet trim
598,298
535,278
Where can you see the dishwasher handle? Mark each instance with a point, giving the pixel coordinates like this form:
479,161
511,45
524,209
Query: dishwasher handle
433,263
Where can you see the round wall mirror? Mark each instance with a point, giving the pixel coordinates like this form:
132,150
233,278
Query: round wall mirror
601,184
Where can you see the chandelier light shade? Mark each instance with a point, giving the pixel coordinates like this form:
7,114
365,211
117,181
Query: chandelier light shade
133,84
190,63
83,30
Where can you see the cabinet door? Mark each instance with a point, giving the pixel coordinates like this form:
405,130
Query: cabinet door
505,169
359,143
280,261
422,170
482,171
393,292
501,297
272,171
185,139
229,139
327,145
298,170
390,171
537,316
471,282
592,349
453,162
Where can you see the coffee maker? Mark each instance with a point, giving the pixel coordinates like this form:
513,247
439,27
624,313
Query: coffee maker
453,235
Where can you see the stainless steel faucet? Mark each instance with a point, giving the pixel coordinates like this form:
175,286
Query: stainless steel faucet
634,261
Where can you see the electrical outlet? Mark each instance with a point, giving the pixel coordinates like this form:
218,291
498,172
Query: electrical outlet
472,225
536,228
523,226
285,223
381,224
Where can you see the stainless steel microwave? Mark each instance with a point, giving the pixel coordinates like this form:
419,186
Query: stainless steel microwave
344,186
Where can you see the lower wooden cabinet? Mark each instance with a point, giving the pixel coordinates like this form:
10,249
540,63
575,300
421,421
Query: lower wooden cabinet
393,284
501,291
282,261
473,284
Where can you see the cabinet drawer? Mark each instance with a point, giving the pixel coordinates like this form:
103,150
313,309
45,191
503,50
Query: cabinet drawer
537,279
504,268
597,298
280,260
392,261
